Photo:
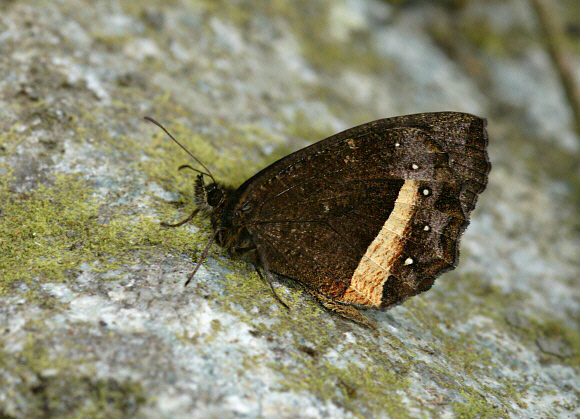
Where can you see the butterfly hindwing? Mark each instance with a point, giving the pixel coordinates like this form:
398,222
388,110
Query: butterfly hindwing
372,215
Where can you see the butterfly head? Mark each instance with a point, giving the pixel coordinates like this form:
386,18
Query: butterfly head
227,220
208,197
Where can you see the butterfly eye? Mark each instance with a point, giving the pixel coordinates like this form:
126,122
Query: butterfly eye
214,197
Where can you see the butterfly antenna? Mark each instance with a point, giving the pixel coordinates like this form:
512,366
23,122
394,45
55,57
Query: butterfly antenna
207,172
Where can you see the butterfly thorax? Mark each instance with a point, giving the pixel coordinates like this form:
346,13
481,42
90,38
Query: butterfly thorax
220,204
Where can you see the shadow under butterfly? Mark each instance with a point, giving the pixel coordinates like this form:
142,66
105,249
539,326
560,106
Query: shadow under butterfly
363,219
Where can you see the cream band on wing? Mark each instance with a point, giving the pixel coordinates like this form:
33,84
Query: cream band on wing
366,286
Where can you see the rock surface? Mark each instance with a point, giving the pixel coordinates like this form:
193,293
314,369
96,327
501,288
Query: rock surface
94,318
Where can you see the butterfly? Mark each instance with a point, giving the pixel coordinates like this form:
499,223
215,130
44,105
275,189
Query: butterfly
365,218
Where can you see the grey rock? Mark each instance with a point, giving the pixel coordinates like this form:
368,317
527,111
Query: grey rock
94,318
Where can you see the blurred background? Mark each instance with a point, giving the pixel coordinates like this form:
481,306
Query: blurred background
95,319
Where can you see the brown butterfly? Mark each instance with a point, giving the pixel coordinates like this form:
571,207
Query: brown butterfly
365,218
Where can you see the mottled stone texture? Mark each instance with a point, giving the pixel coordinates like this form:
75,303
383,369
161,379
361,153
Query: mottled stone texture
94,318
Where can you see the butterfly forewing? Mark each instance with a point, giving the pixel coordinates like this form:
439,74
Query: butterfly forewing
372,215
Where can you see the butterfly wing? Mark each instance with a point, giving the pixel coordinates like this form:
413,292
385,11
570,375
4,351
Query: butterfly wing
372,215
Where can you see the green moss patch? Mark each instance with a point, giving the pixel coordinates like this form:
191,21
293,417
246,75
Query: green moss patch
361,389
53,387
476,406
48,232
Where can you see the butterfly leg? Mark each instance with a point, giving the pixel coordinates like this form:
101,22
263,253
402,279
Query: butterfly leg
264,262
193,214
348,312
268,279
